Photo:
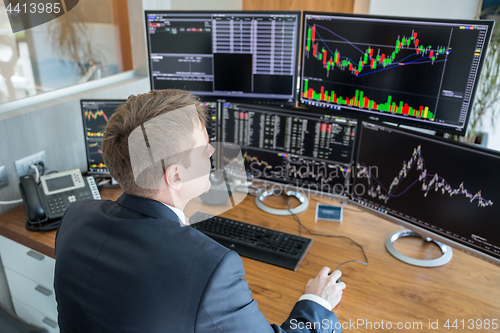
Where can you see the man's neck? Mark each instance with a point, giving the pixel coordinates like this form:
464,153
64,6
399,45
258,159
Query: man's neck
170,199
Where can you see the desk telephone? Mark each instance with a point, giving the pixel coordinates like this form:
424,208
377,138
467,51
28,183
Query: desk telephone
47,202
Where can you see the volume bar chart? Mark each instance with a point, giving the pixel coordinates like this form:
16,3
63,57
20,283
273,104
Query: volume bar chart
362,101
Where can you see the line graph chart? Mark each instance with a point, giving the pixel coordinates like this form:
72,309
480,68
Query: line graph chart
434,184
428,182
93,115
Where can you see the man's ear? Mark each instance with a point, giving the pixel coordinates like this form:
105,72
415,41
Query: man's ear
173,176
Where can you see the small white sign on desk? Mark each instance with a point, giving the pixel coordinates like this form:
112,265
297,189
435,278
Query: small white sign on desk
329,213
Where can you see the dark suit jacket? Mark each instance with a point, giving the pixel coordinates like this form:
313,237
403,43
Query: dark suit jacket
129,266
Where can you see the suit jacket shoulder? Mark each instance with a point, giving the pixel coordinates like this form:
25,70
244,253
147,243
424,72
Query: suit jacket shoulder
129,264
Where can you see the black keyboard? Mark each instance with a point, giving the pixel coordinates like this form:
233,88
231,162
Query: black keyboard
251,241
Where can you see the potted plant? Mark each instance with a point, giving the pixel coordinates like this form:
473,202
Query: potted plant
486,106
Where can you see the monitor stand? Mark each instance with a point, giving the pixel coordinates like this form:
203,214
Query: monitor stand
304,202
445,249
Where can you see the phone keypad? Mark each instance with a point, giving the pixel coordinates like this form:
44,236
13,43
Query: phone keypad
57,205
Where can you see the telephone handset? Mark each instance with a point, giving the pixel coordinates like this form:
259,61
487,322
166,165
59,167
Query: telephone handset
32,202
47,202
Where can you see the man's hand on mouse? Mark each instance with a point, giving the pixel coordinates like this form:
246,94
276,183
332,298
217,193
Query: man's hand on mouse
325,286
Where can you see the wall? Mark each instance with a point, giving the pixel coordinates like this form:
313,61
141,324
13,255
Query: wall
57,129
206,5
342,6
455,9
192,4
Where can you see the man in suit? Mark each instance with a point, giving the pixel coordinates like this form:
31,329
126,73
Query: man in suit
135,266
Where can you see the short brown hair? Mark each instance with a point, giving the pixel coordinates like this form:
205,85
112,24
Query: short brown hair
134,113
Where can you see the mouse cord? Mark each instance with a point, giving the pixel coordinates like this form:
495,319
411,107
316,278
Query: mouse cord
297,219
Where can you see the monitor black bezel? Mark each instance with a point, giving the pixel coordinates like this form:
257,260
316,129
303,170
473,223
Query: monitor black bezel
380,117
270,101
84,123
408,224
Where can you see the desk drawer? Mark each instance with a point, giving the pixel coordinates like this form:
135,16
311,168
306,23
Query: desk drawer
29,263
36,295
35,317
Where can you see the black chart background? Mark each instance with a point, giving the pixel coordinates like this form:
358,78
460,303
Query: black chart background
413,84
387,149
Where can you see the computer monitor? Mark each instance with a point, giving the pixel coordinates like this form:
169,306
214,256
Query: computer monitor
228,55
441,189
289,146
95,115
420,72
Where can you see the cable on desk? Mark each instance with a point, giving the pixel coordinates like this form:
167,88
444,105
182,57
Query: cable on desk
297,219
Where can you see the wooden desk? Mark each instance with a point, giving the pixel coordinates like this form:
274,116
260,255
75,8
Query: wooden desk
386,290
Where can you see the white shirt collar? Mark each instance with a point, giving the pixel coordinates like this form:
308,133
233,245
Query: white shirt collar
177,212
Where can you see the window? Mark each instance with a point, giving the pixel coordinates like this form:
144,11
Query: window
82,45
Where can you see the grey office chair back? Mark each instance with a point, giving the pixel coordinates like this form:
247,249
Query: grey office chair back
11,323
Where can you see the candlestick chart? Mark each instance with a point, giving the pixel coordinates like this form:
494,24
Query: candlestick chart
96,114
96,121
328,51
403,70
